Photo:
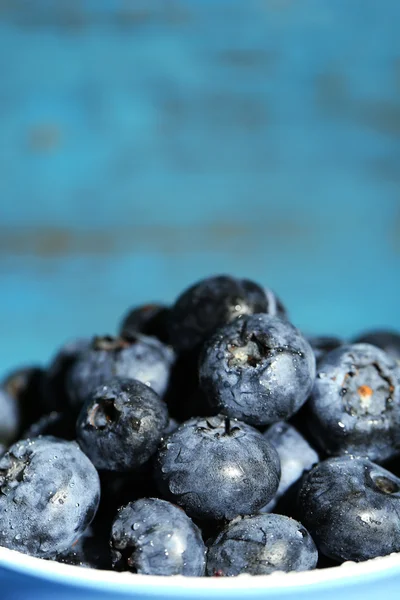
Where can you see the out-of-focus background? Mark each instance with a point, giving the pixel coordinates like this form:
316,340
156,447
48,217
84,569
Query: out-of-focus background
145,144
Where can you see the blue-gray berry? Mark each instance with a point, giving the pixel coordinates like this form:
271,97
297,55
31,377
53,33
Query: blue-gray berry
258,368
154,537
260,545
216,468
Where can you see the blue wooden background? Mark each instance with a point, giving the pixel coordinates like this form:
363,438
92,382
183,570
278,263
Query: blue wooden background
146,144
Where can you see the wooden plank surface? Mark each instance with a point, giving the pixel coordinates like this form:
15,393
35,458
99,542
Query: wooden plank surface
146,144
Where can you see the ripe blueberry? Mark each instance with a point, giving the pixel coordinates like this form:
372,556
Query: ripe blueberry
216,468
260,545
351,508
121,424
213,302
49,495
355,404
258,369
153,537
142,358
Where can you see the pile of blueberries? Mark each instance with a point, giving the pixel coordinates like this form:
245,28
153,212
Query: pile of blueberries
211,438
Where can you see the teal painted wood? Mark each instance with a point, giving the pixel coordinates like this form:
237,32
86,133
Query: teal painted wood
146,144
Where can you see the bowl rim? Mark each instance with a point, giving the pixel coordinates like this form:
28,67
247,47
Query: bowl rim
49,571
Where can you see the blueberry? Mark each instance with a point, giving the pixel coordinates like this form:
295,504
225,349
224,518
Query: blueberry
389,341
216,468
295,454
355,404
351,507
260,545
259,369
55,391
90,551
149,319
142,358
323,344
153,537
213,302
49,495
121,424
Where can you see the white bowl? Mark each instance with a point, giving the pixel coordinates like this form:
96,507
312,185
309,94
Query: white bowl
27,577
